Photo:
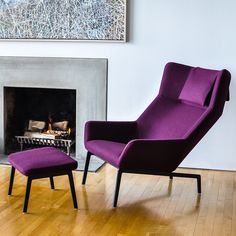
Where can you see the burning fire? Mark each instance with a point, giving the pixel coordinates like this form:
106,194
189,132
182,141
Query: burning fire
49,128
61,133
54,130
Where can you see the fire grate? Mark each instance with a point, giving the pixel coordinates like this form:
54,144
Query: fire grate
59,143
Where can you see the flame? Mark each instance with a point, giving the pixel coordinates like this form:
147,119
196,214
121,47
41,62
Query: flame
49,124
69,131
49,127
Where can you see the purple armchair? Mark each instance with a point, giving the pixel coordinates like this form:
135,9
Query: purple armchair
189,102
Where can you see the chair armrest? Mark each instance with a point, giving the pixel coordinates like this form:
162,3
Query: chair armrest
153,155
117,131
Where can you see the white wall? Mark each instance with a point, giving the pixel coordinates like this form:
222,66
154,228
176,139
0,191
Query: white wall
199,33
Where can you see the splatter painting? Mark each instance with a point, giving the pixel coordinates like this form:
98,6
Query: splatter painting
63,19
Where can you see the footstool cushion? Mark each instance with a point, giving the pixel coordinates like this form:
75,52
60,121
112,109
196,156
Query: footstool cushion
41,160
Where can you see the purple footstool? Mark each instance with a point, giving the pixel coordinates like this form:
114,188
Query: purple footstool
42,163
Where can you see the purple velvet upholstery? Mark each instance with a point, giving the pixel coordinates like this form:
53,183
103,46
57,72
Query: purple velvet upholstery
198,85
168,119
41,160
109,150
189,102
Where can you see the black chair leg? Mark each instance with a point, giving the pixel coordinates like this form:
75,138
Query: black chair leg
199,185
72,188
11,180
27,194
118,179
52,183
86,167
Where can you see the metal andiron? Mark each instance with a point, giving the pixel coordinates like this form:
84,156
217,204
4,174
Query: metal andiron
57,135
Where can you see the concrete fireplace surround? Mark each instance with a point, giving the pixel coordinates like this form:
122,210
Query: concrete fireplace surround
87,76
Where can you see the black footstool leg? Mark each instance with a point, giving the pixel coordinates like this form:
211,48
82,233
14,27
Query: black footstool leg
52,183
11,180
72,188
86,167
27,194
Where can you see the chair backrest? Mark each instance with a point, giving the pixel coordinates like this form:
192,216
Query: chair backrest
189,102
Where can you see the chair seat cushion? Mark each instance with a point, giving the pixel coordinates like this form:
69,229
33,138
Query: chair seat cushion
107,150
41,160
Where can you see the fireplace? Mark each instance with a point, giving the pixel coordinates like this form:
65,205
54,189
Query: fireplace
39,116
28,80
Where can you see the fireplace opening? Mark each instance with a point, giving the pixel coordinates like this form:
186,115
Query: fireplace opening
36,117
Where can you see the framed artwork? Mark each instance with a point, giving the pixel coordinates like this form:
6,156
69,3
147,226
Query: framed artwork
95,20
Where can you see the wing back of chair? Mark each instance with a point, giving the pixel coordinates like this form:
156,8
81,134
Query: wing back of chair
215,106
189,102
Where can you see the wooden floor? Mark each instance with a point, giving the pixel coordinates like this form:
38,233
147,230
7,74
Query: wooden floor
148,205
